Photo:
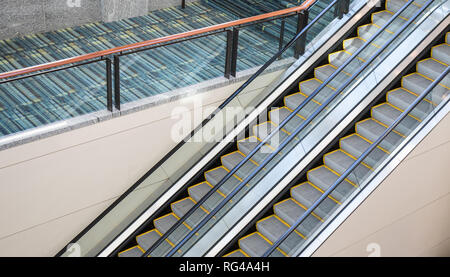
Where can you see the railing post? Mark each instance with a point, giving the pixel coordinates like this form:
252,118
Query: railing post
346,7
228,54
302,22
183,4
109,94
117,81
231,52
280,45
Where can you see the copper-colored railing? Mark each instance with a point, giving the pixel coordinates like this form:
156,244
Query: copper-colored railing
153,42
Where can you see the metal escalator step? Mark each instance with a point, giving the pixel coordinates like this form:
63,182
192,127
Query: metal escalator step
216,175
277,116
133,252
265,129
147,240
323,178
340,162
163,224
418,84
372,130
352,45
180,208
396,5
432,69
197,192
402,99
367,31
231,160
441,53
307,195
294,100
323,72
236,254
273,228
289,211
247,145
255,246
387,114
355,146
308,87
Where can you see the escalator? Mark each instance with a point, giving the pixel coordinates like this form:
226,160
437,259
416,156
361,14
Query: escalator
351,147
243,165
320,177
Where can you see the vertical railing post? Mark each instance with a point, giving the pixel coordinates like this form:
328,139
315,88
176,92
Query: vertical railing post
231,53
302,21
234,52
109,85
117,81
183,4
281,43
346,7
228,54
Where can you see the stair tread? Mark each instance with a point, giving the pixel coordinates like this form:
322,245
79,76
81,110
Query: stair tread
255,245
307,195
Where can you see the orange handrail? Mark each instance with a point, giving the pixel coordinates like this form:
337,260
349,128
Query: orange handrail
169,38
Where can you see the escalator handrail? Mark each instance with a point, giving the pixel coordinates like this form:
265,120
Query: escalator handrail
253,77
364,155
291,137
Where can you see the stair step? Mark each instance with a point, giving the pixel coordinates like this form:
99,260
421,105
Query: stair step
180,208
309,87
163,224
432,69
387,114
340,162
372,130
279,115
417,84
216,175
230,161
255,246
402,99
355,146
273,228
323,178
395,5
134,252
247,145
236,254
290,212
147,240
307,195
294,100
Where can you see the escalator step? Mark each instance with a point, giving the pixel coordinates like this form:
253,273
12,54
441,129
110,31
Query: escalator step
386,114
256,245
277,116
402,99
432,69
231,160
417,84
323,177
289,211
307,195
236,254
355,146
340,162
146,240
198,191
294,100
133,252
441,53
372,130
216,175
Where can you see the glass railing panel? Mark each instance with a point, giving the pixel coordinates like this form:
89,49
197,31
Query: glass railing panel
51,97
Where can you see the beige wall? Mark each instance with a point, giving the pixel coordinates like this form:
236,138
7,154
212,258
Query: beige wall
409,213
51,189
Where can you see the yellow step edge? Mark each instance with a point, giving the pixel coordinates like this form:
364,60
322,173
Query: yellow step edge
363,138
407,90
351,156
237,250
258,139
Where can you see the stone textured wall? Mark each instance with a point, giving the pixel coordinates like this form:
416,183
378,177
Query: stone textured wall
23,17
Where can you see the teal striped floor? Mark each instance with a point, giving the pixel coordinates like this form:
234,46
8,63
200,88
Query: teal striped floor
44,99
